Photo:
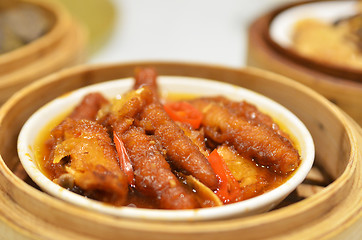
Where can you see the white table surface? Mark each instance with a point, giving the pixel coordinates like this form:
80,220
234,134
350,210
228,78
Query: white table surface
206,31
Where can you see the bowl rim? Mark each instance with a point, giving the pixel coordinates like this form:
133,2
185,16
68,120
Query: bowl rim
164,215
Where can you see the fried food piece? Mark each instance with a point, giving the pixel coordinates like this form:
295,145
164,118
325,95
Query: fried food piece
125,109
183,154
83,156
85,151
153,176
182,151
249,113
253,180
196,136
146,77
256,142
86,109
89,106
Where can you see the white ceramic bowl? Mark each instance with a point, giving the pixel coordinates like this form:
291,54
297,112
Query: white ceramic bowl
282,25
197,86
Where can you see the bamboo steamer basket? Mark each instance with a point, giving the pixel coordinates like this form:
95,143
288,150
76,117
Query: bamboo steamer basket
62,46
326,206
341,86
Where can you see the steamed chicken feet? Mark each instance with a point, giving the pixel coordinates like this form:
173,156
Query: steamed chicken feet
257,142
253,180
142,150
184,155
89,107
153,176
123,111
180,150
82,155
249,113
146,77
88,157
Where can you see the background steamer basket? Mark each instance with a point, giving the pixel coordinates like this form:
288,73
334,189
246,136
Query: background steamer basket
332,212
342,87
62,46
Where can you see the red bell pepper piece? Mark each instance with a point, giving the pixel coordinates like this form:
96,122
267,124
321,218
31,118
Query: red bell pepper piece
124,160
184,112
229,189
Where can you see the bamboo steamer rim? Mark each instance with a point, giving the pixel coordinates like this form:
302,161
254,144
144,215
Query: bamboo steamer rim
20,192
63,46
72,44
60,26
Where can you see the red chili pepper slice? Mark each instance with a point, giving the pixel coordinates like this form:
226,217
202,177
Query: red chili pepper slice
124,160
184,112
229,189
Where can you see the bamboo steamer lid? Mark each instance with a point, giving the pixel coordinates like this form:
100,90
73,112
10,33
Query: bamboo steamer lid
327,207
341,86
62,46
